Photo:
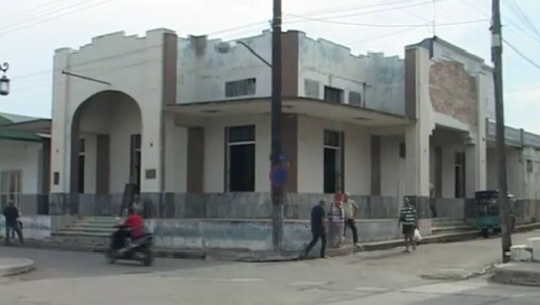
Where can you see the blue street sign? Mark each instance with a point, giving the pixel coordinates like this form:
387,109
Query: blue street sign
278,175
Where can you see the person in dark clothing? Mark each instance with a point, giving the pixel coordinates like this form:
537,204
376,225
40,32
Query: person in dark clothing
318,229
11,214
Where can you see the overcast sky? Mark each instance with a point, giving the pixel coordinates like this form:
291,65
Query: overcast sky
30,31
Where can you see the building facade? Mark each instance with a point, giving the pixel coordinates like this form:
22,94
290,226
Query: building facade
188,121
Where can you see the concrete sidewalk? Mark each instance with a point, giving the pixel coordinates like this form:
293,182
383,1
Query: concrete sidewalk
517,273
13,266
443,261
236,255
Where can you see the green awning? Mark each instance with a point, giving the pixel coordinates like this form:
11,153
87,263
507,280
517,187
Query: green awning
8,132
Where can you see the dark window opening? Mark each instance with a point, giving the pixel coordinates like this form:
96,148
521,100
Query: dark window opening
402,150
135,162
333,163
355,98
333,95
459,175
240,153
242,87
82,163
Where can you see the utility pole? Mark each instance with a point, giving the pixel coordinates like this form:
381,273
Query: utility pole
276,157
496,58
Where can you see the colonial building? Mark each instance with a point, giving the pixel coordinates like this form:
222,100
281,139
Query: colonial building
186,118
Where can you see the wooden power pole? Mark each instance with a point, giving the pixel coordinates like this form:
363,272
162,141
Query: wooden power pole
278,192
496,58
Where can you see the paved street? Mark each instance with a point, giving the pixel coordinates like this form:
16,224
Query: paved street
385,277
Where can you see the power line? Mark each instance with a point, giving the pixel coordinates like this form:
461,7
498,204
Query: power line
35,9
387,35
389,25
63,12
377,11
518,52
218,32
527,20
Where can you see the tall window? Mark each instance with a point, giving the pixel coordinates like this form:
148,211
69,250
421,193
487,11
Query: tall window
244,87
135,161
333,162
459,175
82,162
10,187
240,162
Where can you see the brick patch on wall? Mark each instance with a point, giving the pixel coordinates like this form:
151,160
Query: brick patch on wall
453,91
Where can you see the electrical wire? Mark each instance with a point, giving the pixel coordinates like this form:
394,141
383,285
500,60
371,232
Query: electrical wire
64,12
526,19
410,5
518,52
219,32
390,25
387,35
33,10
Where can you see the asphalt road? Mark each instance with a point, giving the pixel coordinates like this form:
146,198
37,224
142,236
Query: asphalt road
390,278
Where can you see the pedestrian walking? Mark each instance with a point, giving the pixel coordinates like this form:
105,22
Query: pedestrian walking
350,208
11,215
337,219
409,222
318,229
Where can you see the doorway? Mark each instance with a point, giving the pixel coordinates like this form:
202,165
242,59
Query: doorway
333,162
240,159
135,162
459,175
10,187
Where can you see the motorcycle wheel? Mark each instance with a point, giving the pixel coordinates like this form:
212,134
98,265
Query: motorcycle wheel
148,257
110,257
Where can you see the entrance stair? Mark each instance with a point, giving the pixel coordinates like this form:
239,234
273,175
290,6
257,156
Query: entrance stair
450,225
92,232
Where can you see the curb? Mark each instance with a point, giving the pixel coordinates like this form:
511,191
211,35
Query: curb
272,257
25,266
518,274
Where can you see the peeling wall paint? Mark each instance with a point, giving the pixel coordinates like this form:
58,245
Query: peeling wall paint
379,79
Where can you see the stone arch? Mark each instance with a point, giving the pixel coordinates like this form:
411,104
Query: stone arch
100,116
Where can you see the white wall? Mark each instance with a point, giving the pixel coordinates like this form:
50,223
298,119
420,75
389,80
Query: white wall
203,71
532,177
393,173
24,157
515,171
333,65
132,65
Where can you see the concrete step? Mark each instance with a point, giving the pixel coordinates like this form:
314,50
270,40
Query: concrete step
91,225
79,241
88,229
441,222
82,233
98,221
451,229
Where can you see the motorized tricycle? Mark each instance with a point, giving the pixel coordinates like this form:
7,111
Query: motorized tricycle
487,218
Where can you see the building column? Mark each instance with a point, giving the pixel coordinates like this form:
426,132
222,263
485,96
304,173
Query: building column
475,169
417,159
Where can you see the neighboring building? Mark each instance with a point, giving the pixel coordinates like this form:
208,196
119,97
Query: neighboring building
181,116
24,163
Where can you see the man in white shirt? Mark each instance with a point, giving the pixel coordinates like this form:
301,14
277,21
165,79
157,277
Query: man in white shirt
350,208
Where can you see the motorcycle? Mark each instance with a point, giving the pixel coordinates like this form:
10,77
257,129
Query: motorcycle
139,249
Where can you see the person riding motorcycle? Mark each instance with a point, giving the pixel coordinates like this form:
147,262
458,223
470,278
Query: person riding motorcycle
135,223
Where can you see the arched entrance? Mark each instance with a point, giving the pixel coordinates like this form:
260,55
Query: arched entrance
105,152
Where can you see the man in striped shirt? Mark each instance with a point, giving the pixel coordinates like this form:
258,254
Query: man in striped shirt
409,222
